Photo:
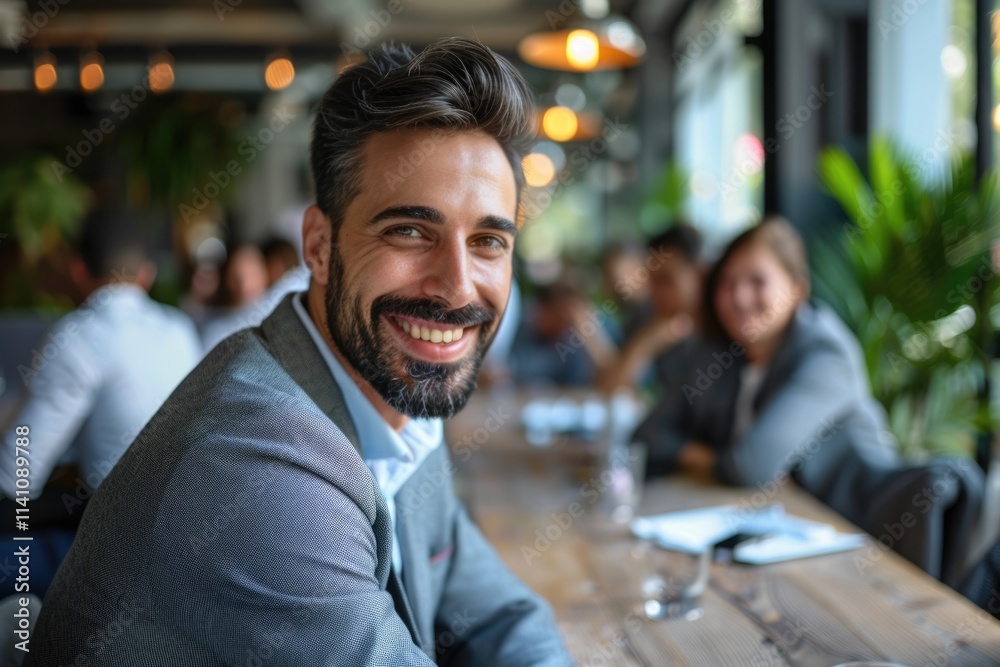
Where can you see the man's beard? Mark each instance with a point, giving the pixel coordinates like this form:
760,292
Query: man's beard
413,387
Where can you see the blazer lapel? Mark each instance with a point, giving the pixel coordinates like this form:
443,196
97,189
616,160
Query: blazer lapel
414,584
295,350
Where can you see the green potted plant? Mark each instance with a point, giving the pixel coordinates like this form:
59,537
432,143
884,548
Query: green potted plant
911,274
39,210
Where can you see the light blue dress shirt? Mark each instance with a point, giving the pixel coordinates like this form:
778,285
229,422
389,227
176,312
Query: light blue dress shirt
95,380
391,456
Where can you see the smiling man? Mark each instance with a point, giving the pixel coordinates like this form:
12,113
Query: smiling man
254,520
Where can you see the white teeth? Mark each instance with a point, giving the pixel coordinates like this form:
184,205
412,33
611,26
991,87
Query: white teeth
431,335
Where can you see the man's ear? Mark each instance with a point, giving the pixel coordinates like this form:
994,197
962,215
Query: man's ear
316,242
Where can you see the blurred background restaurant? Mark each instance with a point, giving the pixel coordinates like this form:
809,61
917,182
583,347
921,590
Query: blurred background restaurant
194,115
869,124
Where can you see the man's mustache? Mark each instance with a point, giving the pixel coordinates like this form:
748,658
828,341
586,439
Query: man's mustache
470,315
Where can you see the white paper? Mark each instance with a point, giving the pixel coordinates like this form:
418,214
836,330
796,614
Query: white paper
782,537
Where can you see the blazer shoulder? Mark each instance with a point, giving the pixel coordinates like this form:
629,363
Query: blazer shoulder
817,327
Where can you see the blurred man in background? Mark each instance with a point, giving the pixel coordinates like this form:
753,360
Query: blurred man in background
674,272
562,340
105,368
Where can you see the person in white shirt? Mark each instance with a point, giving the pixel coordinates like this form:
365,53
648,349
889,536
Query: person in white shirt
105,368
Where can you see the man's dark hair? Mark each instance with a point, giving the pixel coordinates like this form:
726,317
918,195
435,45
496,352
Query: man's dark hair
110,243
453,84
681,238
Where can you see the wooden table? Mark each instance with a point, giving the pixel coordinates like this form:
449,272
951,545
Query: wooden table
866,604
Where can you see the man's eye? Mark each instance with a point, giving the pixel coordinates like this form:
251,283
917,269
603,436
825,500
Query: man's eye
492,242
406,230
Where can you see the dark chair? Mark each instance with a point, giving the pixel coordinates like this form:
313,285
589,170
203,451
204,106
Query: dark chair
941,502
981,584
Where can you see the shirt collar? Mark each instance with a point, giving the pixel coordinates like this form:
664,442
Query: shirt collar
377,439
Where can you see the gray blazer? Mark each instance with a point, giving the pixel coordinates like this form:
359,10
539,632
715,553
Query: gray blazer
243,528
816,422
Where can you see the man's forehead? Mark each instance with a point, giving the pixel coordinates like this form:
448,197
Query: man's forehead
410,166
412,148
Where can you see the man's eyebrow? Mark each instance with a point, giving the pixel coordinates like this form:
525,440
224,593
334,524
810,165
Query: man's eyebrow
433,215
415,212
499,224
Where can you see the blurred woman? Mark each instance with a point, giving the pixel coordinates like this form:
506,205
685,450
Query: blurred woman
777,390
777,386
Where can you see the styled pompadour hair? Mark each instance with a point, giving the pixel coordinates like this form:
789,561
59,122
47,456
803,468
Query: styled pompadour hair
453,84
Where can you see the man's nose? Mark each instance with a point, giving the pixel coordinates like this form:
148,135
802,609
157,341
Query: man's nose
448,276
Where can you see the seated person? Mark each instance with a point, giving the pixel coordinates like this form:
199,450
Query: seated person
623,281
280,257
675,278
243,282
114,361
772,371
295,504
777,389
495,371
561,341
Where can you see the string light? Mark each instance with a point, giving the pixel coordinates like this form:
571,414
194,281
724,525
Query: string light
161,72
45,72
279,72
91,71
